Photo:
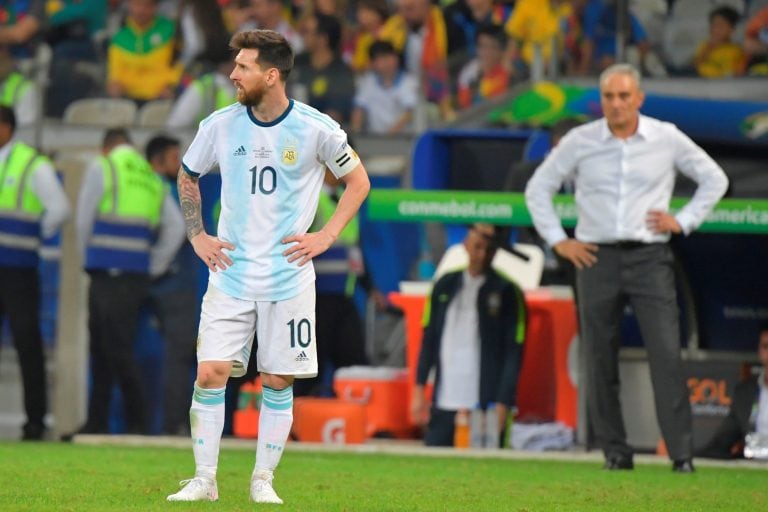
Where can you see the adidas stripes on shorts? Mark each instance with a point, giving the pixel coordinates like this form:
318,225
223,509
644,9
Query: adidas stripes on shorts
285,332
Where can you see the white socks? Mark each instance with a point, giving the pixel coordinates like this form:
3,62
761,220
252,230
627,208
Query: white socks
275,419
206,418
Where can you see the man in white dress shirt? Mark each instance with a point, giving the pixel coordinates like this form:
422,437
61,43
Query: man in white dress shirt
623,166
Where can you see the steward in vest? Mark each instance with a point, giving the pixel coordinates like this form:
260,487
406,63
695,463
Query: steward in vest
129,229
202,96
32,208
17,92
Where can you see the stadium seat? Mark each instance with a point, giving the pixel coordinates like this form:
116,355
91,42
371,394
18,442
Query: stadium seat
527,274
100,112
682,36
154,113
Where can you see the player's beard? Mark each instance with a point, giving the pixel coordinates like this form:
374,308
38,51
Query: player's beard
251,98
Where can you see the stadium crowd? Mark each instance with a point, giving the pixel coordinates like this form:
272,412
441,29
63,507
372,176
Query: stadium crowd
453,53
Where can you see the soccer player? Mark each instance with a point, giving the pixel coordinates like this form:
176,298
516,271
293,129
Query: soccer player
272,152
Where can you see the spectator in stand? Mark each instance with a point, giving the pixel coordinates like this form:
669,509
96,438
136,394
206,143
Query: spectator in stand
320,77
534,23
425,38
371,16
205,94
756,43
19,25
270,15
485,76
386,96
471,15
475,328
200,35
140,56
719,56
17,91
71,31
598,46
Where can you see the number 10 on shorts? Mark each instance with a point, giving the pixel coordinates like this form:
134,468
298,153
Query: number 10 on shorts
301,332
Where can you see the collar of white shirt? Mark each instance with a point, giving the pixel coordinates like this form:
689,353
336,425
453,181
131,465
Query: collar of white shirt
643,129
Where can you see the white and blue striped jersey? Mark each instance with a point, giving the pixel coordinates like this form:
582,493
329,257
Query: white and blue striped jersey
271,175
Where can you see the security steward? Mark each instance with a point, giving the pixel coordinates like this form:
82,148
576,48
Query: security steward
33,207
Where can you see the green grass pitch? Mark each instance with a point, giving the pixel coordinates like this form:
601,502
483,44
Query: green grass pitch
72,477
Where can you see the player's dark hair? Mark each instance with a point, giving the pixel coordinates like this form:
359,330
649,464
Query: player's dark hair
158,145
381,48
274,49
7,116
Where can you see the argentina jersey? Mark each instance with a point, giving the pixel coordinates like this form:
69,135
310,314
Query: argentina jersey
271,175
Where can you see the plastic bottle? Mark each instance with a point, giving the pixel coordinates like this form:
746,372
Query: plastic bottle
476,427
492,439
461,429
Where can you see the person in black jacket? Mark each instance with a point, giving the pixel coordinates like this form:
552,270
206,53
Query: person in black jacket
748,412
473,339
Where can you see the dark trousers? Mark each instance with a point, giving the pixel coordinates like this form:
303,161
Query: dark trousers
20,305
114,305
440,429
177,313
643,277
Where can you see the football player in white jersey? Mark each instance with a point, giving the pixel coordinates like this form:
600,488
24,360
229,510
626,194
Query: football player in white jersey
272,152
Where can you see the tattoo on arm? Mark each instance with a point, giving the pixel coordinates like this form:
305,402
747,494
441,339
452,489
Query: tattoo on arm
189,197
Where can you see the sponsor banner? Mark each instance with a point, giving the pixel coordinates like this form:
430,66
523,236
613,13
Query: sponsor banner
460,207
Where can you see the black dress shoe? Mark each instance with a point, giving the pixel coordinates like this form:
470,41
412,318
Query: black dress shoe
616,463
33,432
683,466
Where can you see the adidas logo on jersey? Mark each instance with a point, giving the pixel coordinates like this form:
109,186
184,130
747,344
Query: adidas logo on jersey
301,357
240,151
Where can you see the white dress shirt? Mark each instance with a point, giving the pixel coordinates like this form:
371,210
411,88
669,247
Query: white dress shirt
460,349
619,181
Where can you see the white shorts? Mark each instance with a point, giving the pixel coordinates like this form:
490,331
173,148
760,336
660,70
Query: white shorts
285,331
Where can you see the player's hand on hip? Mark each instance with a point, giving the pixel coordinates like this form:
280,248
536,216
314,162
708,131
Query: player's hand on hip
211,250
581,254
307,246
660,221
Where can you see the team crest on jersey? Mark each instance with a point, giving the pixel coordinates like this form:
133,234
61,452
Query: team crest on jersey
290,155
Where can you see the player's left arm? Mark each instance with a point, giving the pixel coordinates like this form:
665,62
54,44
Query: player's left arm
309,245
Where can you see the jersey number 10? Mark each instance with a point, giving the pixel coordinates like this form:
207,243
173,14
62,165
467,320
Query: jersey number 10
265,179
301,332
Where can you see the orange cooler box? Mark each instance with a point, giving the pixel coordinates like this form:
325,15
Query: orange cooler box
383,390
328,420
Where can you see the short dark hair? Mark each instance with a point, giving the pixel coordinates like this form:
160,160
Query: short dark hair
381,48
115,136
493,31
8,116
158,145
330,27
726,12
274,49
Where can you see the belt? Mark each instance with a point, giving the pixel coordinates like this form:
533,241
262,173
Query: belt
626,244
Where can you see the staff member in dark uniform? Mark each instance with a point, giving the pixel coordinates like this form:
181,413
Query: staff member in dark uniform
32,208
624,170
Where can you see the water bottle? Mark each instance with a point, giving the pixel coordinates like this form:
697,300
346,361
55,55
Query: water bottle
492,427
476,427
461,429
